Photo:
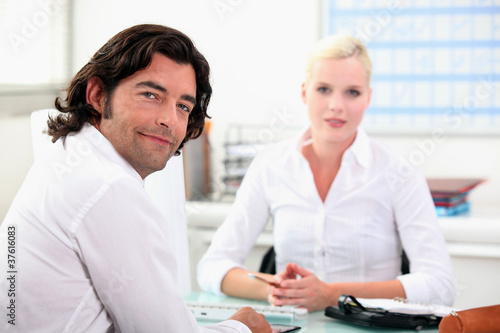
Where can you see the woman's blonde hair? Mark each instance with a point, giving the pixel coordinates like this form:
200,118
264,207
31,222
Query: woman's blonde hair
338,47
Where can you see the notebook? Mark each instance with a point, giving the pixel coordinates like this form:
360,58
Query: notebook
380,312
398,305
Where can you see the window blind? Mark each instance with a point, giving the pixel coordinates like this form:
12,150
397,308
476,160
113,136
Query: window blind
35,38
435,63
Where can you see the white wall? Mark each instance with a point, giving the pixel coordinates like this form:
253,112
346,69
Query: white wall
453,155
17,156
257,51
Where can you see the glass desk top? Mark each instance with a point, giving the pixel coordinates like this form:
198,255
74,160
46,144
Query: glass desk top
316,322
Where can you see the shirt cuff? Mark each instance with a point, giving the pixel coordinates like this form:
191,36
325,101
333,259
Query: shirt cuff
415,287
211,280
235,325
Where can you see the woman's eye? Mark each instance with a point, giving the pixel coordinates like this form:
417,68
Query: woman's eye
354,92
323,89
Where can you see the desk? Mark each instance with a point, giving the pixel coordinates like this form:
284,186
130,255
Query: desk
316,322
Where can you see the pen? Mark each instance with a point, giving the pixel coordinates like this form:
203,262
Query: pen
253,276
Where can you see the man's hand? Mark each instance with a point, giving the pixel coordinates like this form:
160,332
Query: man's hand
309,291
253,320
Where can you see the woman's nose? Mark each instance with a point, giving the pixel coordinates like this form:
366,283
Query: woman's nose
336,102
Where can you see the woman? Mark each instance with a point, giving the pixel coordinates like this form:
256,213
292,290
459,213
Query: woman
342,208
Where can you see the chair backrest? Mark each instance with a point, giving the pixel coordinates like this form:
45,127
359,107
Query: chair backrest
268,264
167,190
41,141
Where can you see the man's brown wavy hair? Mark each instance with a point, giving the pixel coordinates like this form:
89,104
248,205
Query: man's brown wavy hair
123,55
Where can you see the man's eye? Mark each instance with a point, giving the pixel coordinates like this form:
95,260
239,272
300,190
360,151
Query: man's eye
184,108
148,95
354,92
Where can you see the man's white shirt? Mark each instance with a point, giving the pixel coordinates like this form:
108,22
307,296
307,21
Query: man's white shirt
92,249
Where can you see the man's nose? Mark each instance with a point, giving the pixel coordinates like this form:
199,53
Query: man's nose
168,117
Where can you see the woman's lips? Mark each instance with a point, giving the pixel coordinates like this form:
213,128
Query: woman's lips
337,123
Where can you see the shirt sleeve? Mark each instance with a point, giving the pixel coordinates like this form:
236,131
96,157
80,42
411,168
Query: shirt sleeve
236,237
228,326
431,277
123,243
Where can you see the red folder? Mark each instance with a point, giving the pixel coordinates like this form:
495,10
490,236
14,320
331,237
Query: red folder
451,187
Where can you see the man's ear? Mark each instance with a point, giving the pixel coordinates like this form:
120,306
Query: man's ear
95,94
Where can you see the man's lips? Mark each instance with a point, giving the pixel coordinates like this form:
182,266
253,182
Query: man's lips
158,139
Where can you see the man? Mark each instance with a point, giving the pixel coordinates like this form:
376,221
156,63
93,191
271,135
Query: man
87,248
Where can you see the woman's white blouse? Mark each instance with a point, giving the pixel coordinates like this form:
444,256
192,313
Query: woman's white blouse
377,205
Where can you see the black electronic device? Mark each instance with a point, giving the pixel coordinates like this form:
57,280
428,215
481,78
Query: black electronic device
280,328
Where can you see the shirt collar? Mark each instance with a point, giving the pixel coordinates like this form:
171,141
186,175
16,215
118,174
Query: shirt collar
103,147
360,148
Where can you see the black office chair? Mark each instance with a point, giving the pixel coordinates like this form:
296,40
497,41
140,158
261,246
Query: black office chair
405,263
268,264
